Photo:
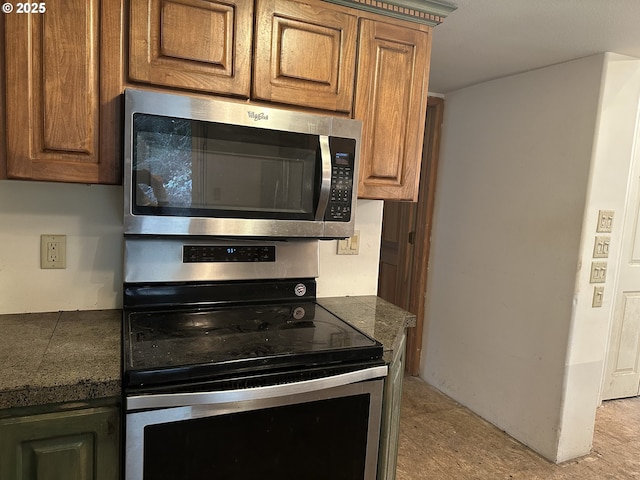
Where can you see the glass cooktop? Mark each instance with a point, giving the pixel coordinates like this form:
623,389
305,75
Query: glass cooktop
173,345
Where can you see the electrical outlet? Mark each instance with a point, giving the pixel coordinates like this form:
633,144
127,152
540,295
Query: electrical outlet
53,251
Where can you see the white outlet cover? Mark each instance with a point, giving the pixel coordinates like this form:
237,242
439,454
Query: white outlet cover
60,244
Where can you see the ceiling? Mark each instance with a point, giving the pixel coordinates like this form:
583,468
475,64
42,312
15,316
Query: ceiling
486,39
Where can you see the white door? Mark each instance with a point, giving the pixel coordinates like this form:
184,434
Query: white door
622,373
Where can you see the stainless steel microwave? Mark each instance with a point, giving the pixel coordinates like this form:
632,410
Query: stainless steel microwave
202,166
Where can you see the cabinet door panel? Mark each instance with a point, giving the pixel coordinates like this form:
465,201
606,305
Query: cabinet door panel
61,32
77,444
47,459
57,80
3,148
305,55
53,92
391,100
194,44
390,429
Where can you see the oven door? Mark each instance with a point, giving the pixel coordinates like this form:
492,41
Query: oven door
318,429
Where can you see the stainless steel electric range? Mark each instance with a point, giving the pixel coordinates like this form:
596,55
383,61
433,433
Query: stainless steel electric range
232,370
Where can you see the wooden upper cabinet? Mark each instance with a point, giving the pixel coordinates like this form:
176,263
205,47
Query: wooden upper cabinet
192,44
304,55
391,101
3,150
62,92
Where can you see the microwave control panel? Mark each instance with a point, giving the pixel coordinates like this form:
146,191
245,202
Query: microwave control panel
339,207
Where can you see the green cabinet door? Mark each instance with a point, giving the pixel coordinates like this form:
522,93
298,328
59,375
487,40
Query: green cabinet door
67,445
391,404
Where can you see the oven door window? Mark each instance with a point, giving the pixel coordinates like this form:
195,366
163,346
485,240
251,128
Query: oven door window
323,440
204,169
331,434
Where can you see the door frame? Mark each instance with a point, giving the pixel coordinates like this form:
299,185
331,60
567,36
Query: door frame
424,222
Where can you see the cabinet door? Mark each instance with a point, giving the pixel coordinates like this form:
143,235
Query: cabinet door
304,55
391,101
3,149
79,445
390,429
193,44
62,92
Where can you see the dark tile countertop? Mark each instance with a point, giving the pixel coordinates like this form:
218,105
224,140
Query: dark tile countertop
58,357
374,316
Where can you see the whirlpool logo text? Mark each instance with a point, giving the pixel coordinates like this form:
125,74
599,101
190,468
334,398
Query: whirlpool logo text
257,116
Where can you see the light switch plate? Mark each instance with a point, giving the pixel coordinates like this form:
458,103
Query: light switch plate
349,246
598,296
601,246
598,272
605,221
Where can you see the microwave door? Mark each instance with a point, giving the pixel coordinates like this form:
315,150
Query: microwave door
325,181
224,172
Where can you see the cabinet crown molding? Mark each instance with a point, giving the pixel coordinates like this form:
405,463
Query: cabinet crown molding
428,12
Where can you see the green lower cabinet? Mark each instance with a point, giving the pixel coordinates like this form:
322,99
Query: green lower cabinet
392,401
66,445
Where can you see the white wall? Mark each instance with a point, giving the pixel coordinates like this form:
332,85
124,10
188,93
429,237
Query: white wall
342,275
511,330
613,151
91,217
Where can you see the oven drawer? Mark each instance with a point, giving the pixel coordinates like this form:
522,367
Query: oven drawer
319,429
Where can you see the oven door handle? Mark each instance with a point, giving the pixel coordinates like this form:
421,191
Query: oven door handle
167,400
325,185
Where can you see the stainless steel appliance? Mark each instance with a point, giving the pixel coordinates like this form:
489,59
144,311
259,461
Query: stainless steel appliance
201,166
233,371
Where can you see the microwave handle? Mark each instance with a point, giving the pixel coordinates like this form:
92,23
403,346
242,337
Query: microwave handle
325,185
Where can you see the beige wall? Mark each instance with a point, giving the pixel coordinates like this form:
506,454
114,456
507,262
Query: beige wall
91,217
512,334
354,274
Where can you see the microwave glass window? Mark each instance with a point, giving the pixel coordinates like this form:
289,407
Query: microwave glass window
195,168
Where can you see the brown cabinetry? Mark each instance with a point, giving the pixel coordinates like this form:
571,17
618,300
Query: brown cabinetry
64,73
3,150
391,100
63,77
193,44
304,55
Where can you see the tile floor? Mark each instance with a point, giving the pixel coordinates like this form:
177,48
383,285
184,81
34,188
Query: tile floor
441,440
